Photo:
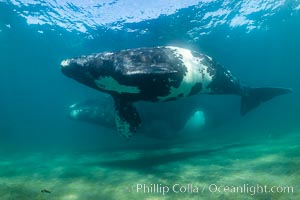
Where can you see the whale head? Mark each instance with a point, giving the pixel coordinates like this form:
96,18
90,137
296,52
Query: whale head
85,69
76,68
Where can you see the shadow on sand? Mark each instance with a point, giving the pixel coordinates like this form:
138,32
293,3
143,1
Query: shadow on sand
150,161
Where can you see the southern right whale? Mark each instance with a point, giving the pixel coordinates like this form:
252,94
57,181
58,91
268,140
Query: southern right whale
155,74
158,121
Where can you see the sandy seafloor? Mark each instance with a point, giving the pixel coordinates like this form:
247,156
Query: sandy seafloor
257,40
271,161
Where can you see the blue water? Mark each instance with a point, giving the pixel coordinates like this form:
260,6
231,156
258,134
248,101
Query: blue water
258,41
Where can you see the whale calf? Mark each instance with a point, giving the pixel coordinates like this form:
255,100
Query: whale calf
96,111
159,74
158,121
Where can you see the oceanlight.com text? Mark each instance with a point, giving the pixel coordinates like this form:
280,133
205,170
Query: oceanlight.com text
250,189
210,188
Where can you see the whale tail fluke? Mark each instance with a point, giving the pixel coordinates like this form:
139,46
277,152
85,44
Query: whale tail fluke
253,97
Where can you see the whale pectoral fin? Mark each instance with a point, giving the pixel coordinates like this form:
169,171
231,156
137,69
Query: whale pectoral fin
127,117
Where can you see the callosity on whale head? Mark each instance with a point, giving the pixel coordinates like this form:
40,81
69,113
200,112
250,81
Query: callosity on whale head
159,74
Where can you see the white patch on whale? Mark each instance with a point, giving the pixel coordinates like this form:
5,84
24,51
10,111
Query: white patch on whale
73,105
110,84
74,113
65,63
196,73
196,122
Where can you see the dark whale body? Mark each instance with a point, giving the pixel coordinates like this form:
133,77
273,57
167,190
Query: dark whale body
158,121
159,74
